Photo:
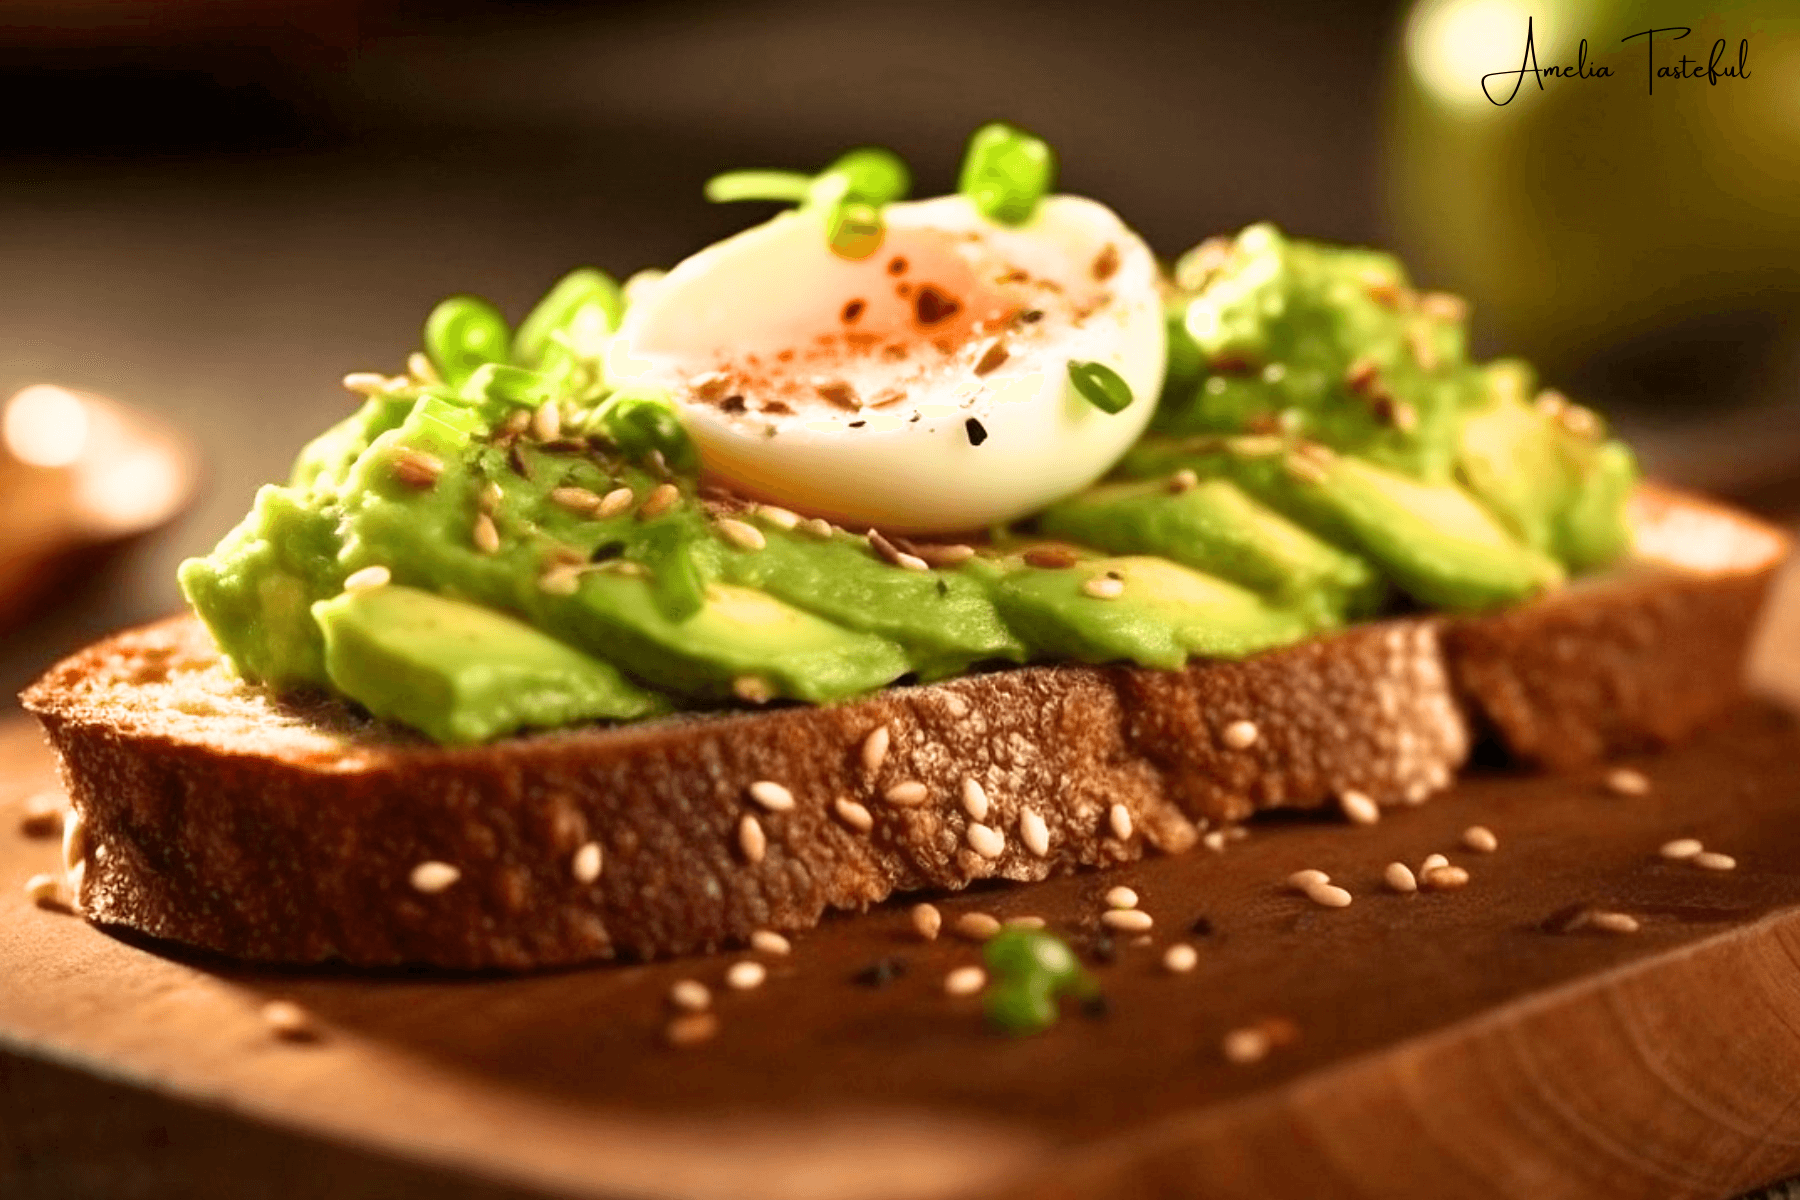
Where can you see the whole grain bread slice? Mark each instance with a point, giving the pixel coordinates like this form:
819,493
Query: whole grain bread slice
209,813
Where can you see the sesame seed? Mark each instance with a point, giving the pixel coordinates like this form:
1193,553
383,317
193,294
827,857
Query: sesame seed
907,793
965,981
368,579
616,502
1118,819
417,469
1444,306
977,926
1121,897
1681,848
1432,862
1241,735
1328,895
586,863
875,748
288,1020
1444,879
944,555
490,496
1127,920
751,839
1613,922
1480,839
74,839
767,941
1624,781
1050,558
546,422
1214,840
741,534
777,516
1034,833
771,795
986,840
563,579
746,975
515,422
433,877
365,383
855,815
752,689
690,995
575,499
1310,877
1183,480
1359,808
1025,922
418,365
1180,958
1245,1046
1400,878
1710,861
1103,587
974,799
45,891
485,536
926,921
691,1029
42,816
661,499
817,527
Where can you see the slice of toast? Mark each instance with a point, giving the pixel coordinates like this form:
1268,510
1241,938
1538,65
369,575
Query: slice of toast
294,831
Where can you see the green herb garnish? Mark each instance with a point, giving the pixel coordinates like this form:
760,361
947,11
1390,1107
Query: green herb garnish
463,333
1031,971
1100,386
1006,171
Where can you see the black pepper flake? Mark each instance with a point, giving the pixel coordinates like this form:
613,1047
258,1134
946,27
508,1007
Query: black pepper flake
932,306
943,587
857,424
732,404
896,265
976,431
1096,1007
606,551
1031,316
880,973
1102,949
1202,927
852,311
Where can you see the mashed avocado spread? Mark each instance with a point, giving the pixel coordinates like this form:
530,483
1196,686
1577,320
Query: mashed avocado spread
507,537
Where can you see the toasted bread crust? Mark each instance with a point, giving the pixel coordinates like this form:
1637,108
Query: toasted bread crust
289,832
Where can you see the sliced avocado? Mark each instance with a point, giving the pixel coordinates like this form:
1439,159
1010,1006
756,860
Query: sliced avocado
1162,613
944,618
462,673
1215,527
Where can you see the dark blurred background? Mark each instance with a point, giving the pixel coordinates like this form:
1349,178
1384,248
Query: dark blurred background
213,210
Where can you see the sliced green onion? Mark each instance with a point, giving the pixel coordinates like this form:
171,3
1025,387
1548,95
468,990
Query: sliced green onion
854,230
507,384
1006,171
1100,386
1031,969
1020,1008
639,420
581,299
873,175
461,334
787,187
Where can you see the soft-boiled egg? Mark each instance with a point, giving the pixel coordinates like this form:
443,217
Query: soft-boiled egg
922,389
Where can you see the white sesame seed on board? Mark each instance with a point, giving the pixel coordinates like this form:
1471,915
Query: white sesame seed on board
288,1020
615,502
875,748
485,534
1328,895
1034,833
1025,922
1400,878
1214,840
777,516
1681,848
907,794
45,891
745,975
741,534
690,995
661,499
767,941
1444,879
1480,839
586,863
974,799
1432,862
1623,781
855,815
985,840
1180,958
1613,922
1118,819
976,926
575,499
926,921
42,815
1121,897
1241,735
1310,877
965,981
433,877
368,579
691,1029
1127,920
771,795
752,840
1709,860
546,422
1358,807
1245,1046
1103,587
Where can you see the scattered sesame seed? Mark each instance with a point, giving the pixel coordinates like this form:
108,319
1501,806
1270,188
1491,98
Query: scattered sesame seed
767,941
1400,878
777,516
771,795
661,499
1613,922
1183,480
433,877
965,981
690,995
365,383
1180,958
875,748
546,422
1432,862
855,815
1241,735
1444,879
974,799
745,975
977,926
1121,897
616,502
926,921
586,863
1328,895
1245,1046
45,891
1710,861
1127,920
418,365
368,579
288,1020
944,554
1034,833
1624,781
1214,840
1681,848
490,496
751,839
1024,922
1444,306
1104,587
752,689
985,840
907,793
817,527
1310,877
1050,558
1480,839
575,499
563,579
515,422
74,839
691,1029
1118,819
485,536
1359,808
42,816
741,534
417,469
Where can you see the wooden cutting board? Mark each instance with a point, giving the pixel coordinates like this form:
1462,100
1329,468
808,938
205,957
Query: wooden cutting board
1459,1044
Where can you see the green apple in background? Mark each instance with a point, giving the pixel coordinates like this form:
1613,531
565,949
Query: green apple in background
1594,213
